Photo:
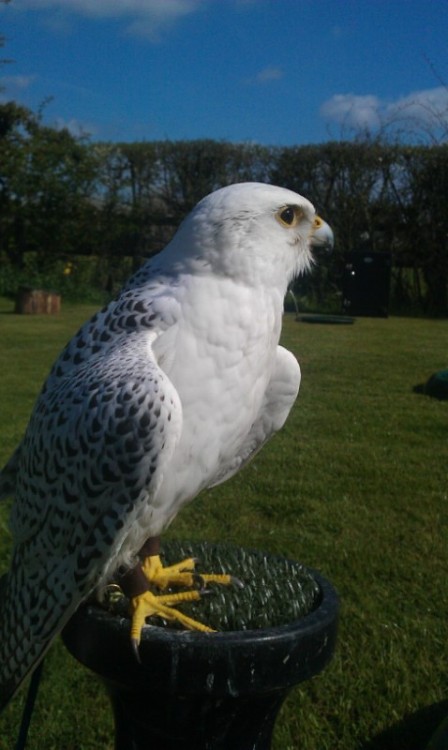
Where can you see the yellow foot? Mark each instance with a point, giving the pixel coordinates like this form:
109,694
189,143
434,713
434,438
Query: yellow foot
148,604
180,574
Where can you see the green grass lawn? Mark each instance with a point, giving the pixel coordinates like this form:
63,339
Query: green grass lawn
354,486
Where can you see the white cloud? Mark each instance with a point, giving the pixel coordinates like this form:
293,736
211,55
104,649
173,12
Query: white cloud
423,109
421,106
266,75
143,17
271,73
17,82
352,111
114,9
75,127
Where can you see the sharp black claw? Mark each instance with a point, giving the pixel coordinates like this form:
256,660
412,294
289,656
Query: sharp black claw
135,649
198,581
195,561
206,592
236,582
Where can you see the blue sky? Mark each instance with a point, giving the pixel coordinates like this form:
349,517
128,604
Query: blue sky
275,72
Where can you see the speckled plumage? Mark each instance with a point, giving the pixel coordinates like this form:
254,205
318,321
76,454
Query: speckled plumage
168,390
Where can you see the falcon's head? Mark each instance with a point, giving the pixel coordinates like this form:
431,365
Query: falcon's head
255,233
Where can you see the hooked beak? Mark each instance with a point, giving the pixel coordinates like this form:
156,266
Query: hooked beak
322,235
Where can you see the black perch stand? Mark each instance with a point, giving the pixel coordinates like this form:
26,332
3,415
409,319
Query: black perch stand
203,691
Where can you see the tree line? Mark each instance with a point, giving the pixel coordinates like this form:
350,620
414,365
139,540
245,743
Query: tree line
77,213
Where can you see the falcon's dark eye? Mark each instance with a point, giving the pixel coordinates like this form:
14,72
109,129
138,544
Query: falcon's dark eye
289,216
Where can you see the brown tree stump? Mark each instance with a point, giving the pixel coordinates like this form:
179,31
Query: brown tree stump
31,301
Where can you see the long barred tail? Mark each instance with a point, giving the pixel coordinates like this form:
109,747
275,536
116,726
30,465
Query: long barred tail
20,653
35,604
8,476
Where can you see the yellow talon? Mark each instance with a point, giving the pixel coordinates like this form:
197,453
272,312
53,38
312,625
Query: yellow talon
182,574
148,604
222,578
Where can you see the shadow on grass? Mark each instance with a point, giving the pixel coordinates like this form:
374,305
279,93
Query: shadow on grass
413,732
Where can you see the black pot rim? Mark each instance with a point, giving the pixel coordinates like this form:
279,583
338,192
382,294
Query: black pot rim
220,664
